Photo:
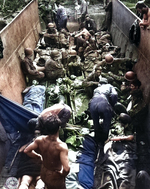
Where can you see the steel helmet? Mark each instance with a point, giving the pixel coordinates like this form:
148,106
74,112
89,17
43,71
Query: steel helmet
28,51
109,58
124,118
55,53
130,76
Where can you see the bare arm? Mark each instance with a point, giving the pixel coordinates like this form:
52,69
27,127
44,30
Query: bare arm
30,150
119,138
65,161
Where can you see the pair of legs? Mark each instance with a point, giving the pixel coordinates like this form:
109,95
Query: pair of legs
26,180
100,109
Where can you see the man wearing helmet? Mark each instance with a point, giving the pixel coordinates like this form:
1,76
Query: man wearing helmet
51,36
28,68
53,67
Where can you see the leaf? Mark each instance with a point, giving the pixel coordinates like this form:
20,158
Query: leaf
71,140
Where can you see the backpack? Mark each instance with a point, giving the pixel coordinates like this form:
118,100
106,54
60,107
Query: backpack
135,33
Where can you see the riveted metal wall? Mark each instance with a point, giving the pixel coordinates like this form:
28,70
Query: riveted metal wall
122,20
22,32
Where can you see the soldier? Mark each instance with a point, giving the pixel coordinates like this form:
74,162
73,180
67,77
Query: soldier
51,36
102,38
92,81
77,10
29,69
61,17
54,67
107,22
101,109
83,40
74,64
63,39
90,24
117,64
84,10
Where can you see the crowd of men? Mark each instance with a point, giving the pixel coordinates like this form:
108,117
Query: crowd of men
116,104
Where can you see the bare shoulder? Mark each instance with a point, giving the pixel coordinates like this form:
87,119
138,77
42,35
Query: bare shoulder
62,146
40,138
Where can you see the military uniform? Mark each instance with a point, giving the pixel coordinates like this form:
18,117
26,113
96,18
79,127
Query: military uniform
104,98
51,36
54,67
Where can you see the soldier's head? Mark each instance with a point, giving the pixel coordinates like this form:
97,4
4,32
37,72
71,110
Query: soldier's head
109,58
135,85
51,25
28,51
56,54
98,71
87,17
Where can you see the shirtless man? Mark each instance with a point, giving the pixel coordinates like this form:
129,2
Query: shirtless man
52,152
145,23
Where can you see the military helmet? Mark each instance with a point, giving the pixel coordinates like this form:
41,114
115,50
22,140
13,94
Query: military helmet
124,118
130,76
119,108
109,58
51,25
28,51
55,53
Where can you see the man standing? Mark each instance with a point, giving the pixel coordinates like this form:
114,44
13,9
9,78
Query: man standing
61,17
52,152
84,10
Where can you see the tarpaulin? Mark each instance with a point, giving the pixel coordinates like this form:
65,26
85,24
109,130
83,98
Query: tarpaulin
14,117
86,163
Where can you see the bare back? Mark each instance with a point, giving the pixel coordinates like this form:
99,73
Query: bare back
50,149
